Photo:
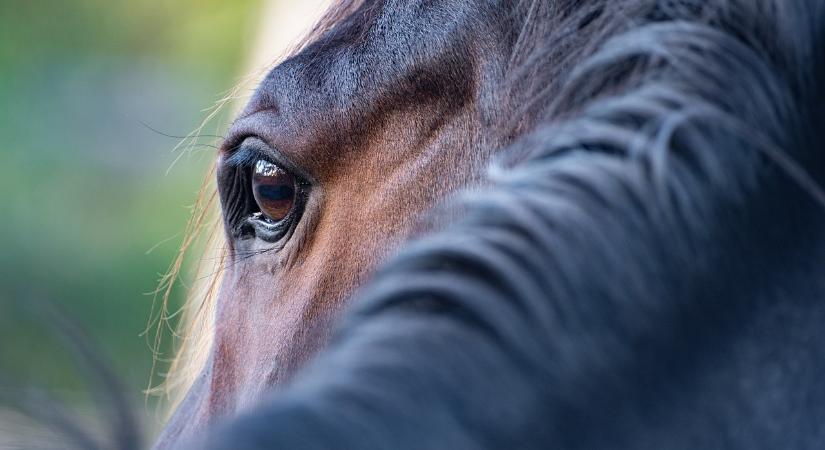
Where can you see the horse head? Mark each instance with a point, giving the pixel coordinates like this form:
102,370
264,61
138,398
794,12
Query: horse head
340,152
644,264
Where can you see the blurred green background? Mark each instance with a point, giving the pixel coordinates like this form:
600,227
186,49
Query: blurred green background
87,188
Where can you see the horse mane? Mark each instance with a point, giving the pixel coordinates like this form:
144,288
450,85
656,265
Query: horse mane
665,194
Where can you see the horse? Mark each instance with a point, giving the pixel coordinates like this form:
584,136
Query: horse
598,226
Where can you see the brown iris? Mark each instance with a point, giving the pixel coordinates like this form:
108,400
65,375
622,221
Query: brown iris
274,190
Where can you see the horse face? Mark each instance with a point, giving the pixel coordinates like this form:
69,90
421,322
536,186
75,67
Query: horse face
330,166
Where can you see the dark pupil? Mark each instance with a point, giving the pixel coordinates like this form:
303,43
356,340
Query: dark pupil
273,189
276,193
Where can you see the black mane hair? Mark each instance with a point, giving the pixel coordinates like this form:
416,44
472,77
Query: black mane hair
645,270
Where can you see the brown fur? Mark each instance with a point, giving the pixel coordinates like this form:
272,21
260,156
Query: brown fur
377,166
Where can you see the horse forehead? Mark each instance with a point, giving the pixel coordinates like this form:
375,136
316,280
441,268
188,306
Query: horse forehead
330,98
380,39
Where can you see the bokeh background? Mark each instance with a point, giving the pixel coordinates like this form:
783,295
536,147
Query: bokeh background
95,197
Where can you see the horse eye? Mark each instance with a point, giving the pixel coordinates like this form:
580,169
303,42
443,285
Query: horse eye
273,189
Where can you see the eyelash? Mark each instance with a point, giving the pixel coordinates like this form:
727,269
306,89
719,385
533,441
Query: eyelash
243,157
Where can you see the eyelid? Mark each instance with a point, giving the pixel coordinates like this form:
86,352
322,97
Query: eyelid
247,152
252,149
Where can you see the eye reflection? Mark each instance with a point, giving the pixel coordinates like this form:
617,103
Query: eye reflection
273,189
